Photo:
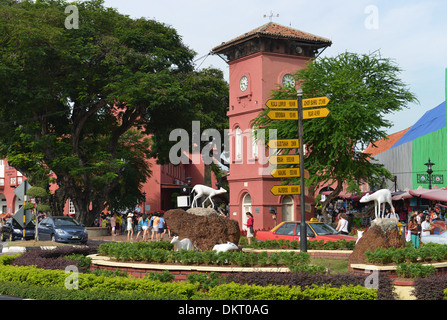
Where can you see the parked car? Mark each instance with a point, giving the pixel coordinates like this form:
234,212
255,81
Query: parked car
12,230
62,229
290,230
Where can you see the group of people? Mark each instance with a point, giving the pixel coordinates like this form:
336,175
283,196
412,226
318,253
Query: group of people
149,226
419,226
146,225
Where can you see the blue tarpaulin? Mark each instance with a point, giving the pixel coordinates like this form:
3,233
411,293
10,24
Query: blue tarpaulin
432,120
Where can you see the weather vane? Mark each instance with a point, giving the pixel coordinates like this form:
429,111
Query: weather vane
271,15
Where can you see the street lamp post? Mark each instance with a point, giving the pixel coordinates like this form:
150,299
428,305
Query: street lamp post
303,229
429,164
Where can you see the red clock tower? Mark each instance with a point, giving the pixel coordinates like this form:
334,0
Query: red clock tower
259,61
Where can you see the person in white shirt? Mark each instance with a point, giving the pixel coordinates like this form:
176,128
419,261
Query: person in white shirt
342,225
426,226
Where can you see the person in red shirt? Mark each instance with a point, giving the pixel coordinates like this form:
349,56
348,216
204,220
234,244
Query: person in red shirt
250,229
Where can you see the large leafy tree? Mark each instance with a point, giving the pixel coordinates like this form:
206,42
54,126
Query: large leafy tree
82,103
362,88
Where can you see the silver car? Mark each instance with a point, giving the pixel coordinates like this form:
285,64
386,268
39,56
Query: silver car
62,229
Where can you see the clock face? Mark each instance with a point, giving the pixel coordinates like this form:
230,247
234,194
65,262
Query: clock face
288,80
243,83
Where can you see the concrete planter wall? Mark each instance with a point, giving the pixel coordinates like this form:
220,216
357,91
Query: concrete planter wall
180,272
97,232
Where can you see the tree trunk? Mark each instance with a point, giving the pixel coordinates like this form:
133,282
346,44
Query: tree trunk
334,194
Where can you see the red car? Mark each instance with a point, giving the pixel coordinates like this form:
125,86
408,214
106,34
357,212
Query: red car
290,230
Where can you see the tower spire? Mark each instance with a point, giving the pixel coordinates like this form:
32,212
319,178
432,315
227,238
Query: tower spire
271,16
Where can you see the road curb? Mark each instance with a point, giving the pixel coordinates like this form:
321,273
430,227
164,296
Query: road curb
23,249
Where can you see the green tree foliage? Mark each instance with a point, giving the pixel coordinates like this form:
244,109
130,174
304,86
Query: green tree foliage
362,89
70,97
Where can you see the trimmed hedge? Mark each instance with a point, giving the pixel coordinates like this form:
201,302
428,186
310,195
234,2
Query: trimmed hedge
35,283
123,251
427,252
233,291
433,287
341,244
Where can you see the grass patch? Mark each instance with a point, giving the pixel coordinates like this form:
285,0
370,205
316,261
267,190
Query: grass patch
335,266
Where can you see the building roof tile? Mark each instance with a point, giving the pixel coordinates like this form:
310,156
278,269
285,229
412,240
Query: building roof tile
276,30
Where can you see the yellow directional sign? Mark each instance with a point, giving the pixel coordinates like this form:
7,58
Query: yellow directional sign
286,159
284,143
285,173
281,190
315,113
315,102
282,104
283,115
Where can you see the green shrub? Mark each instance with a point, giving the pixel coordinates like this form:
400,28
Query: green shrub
414,270
206,281
426,252
233,291
164,276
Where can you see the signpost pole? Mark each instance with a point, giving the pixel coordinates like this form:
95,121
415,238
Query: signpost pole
303,231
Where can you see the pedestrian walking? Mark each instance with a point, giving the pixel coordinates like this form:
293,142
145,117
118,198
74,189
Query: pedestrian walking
414,229
161,227
139,226
155,223
250,228
145,227
129,226
342,226
113,224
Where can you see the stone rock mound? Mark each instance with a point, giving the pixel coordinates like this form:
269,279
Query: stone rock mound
199,211
383,233
203,231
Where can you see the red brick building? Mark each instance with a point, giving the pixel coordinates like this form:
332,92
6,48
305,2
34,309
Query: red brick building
259,61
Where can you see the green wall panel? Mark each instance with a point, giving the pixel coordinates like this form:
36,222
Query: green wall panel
433,146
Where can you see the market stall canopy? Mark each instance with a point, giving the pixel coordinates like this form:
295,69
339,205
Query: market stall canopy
401,195
436,194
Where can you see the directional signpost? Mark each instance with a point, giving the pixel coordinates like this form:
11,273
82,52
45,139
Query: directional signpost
283,115
285,159
299,115
284,144
315,113
315,102
285,173
283,190
282,104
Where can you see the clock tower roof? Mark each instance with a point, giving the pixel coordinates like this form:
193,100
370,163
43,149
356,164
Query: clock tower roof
274,30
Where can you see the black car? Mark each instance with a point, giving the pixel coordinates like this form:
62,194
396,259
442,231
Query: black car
62,229
12,230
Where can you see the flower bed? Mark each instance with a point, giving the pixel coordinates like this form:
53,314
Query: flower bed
162,253
32,282
311,245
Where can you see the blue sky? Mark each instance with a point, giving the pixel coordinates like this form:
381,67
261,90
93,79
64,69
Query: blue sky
412,33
